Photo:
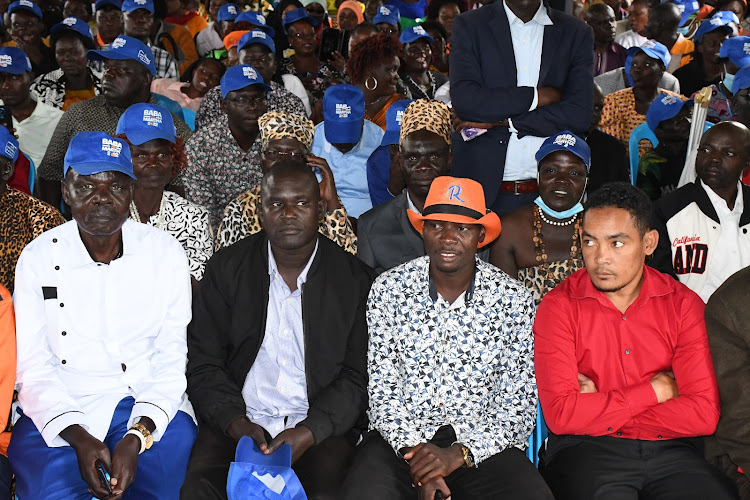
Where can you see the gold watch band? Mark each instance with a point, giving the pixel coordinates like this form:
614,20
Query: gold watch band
145,432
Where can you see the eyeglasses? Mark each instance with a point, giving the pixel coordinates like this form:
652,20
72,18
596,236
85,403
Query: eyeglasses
304,36
246,101
280,155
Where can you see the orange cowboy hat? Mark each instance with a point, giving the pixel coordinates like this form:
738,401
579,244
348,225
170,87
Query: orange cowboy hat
460,200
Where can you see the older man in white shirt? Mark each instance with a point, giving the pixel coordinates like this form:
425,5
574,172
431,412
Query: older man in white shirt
102,307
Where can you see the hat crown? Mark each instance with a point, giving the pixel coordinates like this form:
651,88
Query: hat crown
462,192
70,21
565,140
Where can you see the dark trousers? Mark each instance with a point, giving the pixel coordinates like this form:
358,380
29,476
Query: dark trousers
320,470
506,203
6,477
378,473
606,468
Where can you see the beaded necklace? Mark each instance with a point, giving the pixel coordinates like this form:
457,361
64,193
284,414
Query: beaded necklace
426,89
162,213
541,252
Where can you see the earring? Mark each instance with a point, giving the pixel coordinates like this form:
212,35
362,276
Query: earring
374,85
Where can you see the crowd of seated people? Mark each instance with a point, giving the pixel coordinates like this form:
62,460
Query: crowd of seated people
386,242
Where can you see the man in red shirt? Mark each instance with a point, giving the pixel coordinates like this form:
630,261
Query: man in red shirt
623,368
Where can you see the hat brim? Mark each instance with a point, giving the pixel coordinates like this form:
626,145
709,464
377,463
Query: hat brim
101,55
97,167
343,132
224,95
27,9
268,43
412,39
490,222
139,137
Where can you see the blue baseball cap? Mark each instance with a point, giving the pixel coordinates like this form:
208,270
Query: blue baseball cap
75,25
565,141
687,9
143,122
393,117
297,15
93,152
388,14
255,19
123,48
100,4
413,34
737,49
741,80
343,112
27,6
664,107
654,50
228,12
241,76
8,145
131,5
256,36
720,20
14,61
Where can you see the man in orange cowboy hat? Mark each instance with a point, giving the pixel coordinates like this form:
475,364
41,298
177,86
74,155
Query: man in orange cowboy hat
450,365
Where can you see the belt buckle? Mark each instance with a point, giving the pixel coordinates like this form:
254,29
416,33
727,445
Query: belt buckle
515,187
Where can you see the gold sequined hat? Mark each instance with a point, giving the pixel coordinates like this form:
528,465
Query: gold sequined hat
278,125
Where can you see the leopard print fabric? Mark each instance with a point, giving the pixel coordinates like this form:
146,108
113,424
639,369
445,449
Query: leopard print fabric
23,219
241,220
278,125
424,114
538,280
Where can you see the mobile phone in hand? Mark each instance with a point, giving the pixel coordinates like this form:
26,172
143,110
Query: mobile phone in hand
103,477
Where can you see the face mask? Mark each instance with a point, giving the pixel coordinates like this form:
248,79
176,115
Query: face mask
728,81
577,208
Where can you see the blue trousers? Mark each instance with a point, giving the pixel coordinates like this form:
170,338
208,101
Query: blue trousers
52,473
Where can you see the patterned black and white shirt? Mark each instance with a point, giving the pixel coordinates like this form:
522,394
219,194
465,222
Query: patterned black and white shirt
189,223
469,364
50,88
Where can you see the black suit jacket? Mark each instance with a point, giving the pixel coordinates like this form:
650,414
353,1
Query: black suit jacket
386,238
484,89
228,326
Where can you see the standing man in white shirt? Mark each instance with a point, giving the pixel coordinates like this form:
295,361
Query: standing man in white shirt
704,227
523,72
34,121
101,336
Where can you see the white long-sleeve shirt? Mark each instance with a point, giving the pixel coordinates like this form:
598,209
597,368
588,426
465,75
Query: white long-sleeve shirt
90,334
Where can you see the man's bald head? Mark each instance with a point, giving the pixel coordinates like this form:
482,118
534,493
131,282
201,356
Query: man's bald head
663,21
735,130
723,154
598,9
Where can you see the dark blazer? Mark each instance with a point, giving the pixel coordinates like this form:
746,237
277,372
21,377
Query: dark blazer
228,326
386,238
483,87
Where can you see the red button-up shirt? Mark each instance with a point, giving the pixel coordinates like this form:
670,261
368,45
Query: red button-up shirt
577,329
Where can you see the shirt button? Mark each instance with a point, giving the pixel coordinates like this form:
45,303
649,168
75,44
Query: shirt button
609,429
283,363
286,332
659,436
445,342
627,351
57,268
744,231
624,318
122,365
441,404
64,333
62,305
619,433
54,240
63,361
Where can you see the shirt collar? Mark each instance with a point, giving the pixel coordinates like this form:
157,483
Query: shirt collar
541,16
78,256
720,204
582,287
467,295
411,204
273,270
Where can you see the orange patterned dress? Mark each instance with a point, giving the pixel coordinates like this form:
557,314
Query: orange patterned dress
619,117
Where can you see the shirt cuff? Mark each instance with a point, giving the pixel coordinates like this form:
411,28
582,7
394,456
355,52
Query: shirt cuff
535,101
58,424
144,409
640,398
511,127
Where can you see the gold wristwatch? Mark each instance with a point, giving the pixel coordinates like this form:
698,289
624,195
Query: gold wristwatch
468,457
145,433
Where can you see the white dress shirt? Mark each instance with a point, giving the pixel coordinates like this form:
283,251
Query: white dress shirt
728,257
35,132
275,390
90,334
527,40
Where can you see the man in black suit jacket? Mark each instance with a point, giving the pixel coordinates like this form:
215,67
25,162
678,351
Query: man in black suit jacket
385,237
277,346
489,90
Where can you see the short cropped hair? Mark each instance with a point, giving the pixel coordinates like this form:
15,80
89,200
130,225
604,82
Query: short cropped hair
626,196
